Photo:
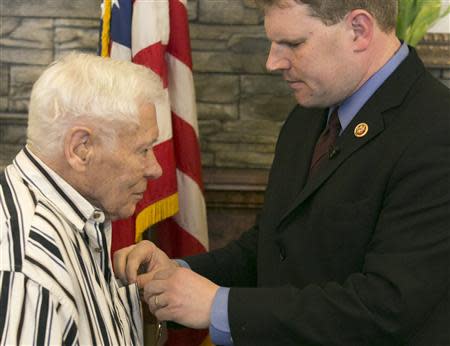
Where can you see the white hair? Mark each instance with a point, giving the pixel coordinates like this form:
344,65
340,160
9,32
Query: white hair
104,92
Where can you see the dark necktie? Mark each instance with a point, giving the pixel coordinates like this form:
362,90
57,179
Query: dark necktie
325,142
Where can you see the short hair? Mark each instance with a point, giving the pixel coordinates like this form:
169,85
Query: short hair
105,92
333,11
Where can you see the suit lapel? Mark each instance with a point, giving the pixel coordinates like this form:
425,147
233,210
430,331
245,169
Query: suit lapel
389,95
315,128
347,144
298,139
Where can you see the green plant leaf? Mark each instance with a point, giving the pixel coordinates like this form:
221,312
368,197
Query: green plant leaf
415,17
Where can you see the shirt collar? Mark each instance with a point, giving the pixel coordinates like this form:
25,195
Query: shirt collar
75,208
351,106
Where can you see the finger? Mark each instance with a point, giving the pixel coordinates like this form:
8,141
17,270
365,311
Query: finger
142,253
154,287
143,279
147,297
164,314
157,302
151,300
163,274
120,262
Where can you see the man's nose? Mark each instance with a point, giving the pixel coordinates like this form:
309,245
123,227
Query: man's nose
153,169
276,59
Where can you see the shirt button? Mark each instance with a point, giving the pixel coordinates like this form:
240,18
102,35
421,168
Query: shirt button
98,249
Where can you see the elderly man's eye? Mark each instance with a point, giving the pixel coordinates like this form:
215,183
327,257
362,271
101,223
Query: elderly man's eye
293,44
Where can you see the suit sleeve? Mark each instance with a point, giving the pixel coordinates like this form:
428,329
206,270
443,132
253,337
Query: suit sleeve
404,282
233,265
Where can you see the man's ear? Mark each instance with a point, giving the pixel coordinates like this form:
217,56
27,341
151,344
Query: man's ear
78,147
362,25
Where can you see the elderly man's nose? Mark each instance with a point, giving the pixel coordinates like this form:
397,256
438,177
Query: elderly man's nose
153,169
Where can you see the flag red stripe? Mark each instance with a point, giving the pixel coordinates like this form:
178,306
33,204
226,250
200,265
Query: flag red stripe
179,337
121,236
153,57
179,42
187,149
175,241
165,185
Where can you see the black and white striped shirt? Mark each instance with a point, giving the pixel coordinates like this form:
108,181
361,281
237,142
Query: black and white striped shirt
56,280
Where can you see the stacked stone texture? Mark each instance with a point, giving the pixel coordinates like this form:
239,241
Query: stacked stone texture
241,107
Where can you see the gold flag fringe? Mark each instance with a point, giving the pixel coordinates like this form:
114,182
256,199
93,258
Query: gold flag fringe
155,213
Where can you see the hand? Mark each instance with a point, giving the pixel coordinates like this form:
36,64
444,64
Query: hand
138,263
182,296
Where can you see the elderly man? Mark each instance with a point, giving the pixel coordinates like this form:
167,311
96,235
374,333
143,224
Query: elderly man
92,124
352,245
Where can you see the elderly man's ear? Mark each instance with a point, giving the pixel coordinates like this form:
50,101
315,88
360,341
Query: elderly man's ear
78,147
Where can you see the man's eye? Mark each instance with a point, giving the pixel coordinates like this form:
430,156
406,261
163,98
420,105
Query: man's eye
145,151
293,44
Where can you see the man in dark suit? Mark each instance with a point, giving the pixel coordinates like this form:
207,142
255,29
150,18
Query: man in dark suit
352,246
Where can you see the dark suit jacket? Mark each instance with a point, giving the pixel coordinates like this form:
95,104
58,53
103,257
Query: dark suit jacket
359,254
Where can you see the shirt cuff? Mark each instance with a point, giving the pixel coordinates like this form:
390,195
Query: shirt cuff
183,263
219,330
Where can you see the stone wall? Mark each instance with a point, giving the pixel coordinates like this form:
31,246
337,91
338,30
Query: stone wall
32,34
240,106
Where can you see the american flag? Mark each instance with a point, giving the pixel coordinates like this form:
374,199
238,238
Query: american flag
155,33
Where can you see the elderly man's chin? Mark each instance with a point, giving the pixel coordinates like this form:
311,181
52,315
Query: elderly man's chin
125,212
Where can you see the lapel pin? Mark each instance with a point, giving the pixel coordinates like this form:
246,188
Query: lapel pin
361,130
